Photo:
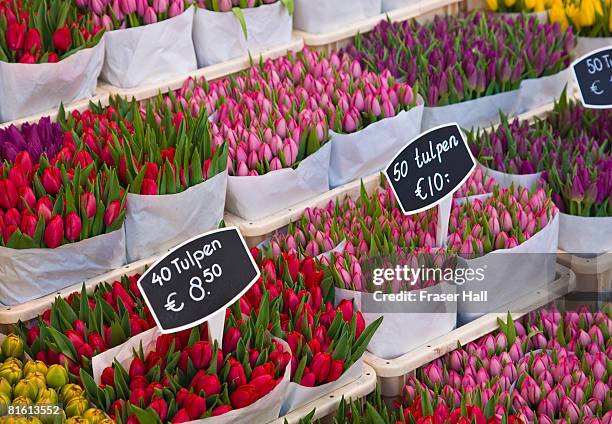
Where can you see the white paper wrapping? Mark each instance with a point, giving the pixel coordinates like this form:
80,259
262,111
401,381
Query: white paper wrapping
388,5
150,53
154,224
427,320
256,197
264,410
588,44
296,395
28,274
26,89
319,16
481,112
505,180
538,92
511,276
484,111
368,151
218,36
583,235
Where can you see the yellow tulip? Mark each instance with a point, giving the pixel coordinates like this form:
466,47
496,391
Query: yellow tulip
509,3
557,14
573,13
587,13
529,4
598,9
492,5
539,6
610,23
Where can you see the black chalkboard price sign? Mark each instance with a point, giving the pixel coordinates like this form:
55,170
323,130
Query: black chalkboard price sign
198,278
430,168
593,72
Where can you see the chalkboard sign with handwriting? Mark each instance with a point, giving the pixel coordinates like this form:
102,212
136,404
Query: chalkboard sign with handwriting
430,168
593,72
198,278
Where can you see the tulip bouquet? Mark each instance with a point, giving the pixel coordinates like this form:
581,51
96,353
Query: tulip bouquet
28,38
590,18
455,59
505,220
77,328
155,152
458,59
27,382
292,302
63,201
120,14
182,377
35,138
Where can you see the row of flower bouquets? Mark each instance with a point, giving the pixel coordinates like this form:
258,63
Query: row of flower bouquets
285,344
132,43
285,131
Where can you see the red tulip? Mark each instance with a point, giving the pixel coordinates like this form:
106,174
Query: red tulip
346,307
181,416
96,341
108,376
44,208
220,410
149,187
243,396
88,200
151,171
263,384
15,34
320,365
236,375
72,226
8,194
209,383
18,177
230,340
336,370
137,367
82,158
52,57
32,42
152,359
308,379
195,406
62,39
201,354
85,350
52,180
24,160
28,224
75,338
112,212
33,334
137,395
54,233
160,406
139,382
28,198
12,217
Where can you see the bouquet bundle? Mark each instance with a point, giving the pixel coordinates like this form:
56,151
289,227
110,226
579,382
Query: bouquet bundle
43,31
157,153
325,340
65,200
496,62
81,326
25,382
507,219
183,377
